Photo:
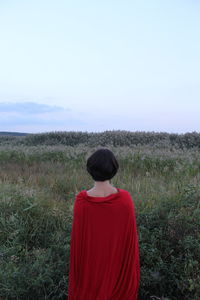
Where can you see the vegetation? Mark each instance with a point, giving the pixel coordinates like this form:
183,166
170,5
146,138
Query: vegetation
7,133
112,137
39,178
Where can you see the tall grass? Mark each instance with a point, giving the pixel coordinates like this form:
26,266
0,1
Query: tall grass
38,185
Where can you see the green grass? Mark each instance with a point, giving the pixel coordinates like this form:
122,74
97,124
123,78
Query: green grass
37,190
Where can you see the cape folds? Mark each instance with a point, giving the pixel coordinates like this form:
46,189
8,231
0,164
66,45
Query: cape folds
104,253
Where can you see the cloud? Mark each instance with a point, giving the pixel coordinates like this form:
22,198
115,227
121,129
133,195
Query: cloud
29,108
27,114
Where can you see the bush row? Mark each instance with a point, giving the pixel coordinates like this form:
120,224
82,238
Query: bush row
112,137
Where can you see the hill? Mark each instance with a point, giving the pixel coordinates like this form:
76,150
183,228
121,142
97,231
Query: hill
13,133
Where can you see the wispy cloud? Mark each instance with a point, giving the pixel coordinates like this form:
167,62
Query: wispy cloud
30,114
30,108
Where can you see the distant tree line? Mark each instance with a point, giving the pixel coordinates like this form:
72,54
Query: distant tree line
7,133
112,137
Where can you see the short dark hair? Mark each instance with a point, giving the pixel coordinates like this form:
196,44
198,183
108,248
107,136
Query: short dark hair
102,165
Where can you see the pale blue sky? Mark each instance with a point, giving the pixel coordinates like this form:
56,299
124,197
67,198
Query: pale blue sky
100,65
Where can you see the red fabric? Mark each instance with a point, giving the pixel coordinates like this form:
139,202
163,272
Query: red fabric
104,252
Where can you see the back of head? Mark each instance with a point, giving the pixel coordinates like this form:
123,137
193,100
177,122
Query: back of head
102,165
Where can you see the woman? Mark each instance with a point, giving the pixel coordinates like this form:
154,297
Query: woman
104,253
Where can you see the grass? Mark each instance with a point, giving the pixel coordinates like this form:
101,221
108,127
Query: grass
38,185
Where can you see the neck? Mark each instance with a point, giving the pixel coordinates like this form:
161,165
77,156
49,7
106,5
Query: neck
102,184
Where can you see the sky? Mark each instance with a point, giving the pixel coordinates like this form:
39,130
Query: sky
100,65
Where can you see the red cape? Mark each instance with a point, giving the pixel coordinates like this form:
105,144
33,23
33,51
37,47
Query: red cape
104,253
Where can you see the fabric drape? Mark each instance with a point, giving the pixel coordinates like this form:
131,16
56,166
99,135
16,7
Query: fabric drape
104,252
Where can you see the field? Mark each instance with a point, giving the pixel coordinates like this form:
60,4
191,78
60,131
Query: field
39,178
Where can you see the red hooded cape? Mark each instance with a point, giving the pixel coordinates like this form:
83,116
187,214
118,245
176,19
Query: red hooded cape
104,253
